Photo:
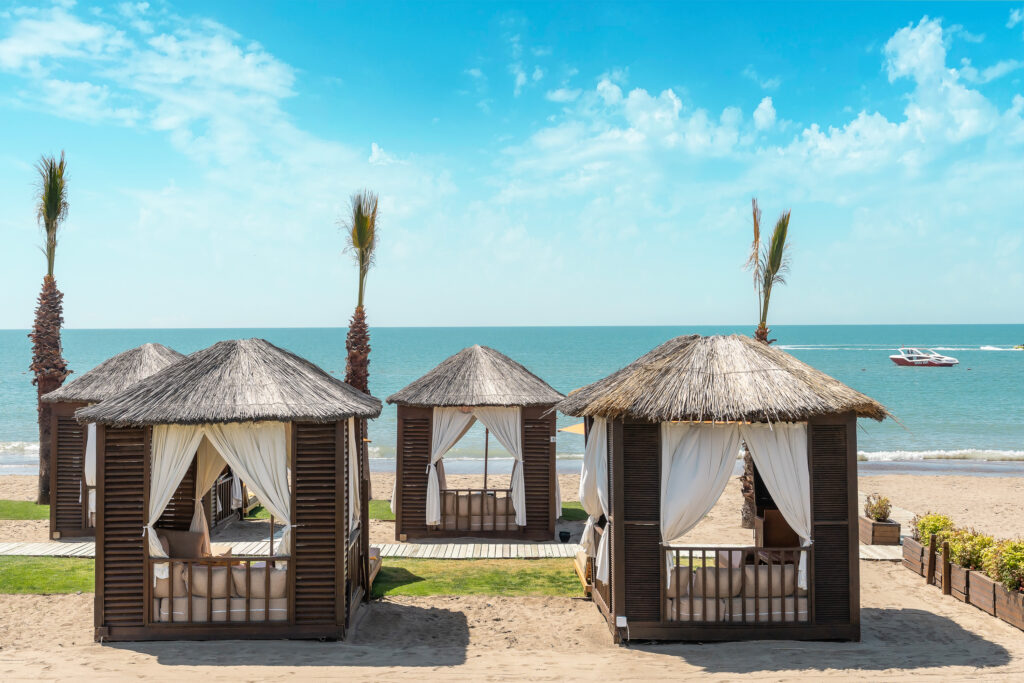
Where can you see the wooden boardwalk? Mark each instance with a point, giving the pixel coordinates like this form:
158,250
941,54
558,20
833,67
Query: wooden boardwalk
438,551
434,551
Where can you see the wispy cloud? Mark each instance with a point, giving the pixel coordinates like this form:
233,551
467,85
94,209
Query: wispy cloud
765,83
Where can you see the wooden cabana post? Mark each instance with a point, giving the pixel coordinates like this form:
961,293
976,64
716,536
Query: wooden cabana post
300,420
780,586
475,379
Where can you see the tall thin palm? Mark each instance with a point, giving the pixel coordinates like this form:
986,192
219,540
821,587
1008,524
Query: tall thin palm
769,264
362,243
48,365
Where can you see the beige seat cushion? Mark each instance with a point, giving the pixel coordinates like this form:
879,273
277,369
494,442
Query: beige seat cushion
712,582
257,581
782,580
278,609
220,550
179,611
176,574
702,610
678,582
764,610
184,544
210,579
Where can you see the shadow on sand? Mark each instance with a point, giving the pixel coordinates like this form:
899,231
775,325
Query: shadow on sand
388,634
890,639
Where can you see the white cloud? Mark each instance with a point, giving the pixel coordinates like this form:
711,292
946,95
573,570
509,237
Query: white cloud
84,101
378,157
47,35
563,94
765,83
609,92
1016,17
538,73
988,74
519,78
764,115
476,73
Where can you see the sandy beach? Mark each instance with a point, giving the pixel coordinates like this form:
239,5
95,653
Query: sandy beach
909,630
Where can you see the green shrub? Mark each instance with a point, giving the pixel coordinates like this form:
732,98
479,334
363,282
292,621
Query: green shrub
877,507
930,523
1004,562
966,547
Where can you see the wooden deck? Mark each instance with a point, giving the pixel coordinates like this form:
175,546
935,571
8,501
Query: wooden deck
434,551
438,551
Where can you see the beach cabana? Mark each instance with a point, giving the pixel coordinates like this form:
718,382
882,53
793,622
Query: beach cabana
663,438
73,445
292,433
435,411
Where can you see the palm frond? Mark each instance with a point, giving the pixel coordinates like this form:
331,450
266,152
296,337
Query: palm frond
752,263
361,230
52,196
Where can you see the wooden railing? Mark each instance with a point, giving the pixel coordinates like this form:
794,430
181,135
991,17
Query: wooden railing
228,589
486,509
736,585
221,499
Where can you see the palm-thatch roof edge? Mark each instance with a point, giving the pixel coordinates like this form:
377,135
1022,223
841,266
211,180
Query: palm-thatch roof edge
115,374
477,376
718,378
248,380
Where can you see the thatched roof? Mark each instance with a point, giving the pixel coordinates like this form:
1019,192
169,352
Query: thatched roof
116,374
245,380
477,376
718,378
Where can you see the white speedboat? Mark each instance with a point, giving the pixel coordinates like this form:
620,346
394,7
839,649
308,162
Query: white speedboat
928,358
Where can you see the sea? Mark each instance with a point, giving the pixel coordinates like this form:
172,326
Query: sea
967,418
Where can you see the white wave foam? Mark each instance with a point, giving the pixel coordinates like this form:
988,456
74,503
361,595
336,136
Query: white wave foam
961,454
9,448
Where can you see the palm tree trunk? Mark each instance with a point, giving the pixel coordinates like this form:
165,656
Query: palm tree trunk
357,343
50,370
749,509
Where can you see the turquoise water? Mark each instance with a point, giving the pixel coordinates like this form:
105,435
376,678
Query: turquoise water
972,411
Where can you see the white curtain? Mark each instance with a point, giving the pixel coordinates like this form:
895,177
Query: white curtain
355,506
448,425
258,452
209,465
779,452
507,426
593,473
173,447
236,492
90,470
696,461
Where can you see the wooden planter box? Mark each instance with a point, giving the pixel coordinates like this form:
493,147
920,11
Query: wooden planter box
913,556
959,582
983,593
879,533
937,580
1010,606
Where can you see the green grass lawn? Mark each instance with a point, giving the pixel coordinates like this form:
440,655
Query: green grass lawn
23,509
572,511
20,574
258,512
381,509
401,576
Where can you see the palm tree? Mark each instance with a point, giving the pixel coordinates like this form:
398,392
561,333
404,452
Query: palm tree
769,266
362,242
48,364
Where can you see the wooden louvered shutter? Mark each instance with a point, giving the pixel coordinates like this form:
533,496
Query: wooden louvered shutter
833,507
414,457
321,520
539,470
179,511
641,507
68,493
121,506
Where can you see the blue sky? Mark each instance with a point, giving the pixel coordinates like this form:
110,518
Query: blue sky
537,164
